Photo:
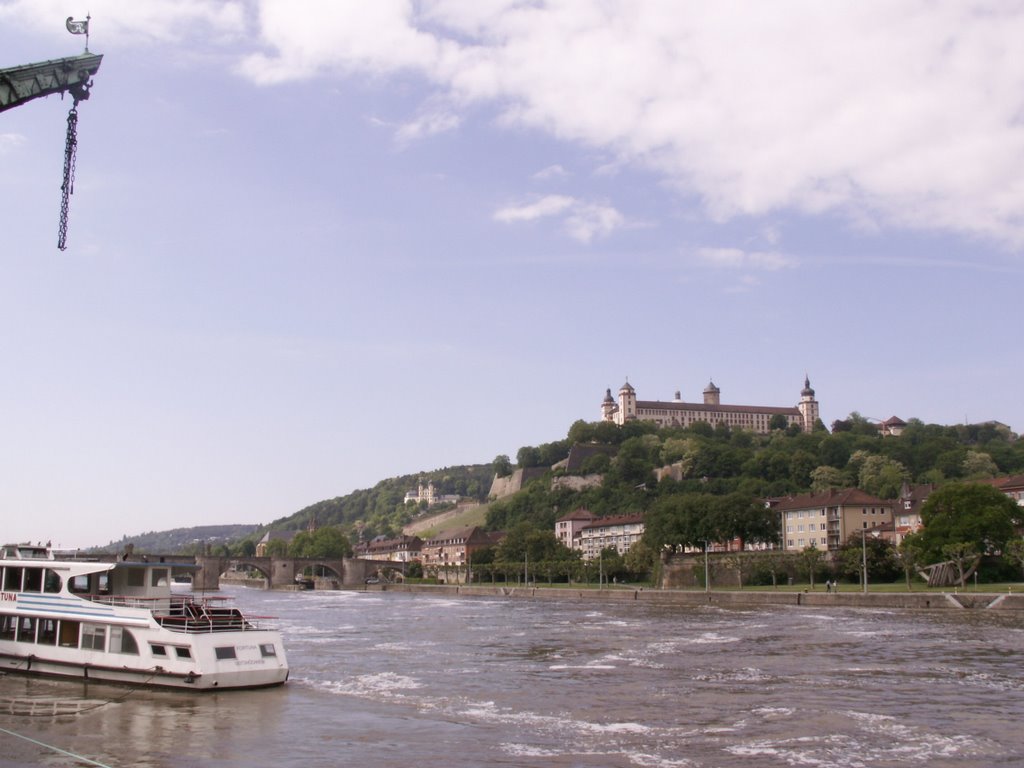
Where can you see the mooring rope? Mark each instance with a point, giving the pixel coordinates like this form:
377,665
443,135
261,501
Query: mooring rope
82,758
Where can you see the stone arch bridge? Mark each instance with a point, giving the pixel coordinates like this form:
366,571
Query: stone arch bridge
283,571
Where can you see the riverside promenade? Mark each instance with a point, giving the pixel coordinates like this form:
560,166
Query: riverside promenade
924,600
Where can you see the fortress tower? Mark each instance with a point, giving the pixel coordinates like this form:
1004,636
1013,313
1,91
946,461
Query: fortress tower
808,405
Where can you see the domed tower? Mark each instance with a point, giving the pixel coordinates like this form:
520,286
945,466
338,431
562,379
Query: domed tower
627,403
608,407
712,394
808,406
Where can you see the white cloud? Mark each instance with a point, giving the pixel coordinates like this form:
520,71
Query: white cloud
907,112
552,172
887,112
551,205
583,221
427,124
588,221
734,258
9,141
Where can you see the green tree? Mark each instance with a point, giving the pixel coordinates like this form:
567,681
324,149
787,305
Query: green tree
525,542
826,478
639,559
327,542
880,476
964,556
810,558
277,548
978,465
502,465
882,561
911,554
1014,552
967,513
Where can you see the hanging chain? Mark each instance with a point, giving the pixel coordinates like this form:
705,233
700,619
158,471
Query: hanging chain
68,187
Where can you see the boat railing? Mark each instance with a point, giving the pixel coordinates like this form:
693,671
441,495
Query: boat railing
153,604
183,614
204,616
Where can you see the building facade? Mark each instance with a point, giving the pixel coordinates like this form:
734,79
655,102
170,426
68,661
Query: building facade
826,521
402,549
454,548
618,531
677,413
567,527
430,495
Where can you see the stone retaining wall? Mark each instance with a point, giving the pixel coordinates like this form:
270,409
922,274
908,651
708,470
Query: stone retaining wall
816,599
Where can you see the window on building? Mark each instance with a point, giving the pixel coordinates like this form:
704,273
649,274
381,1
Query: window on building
12,579
68,635
123,641
26,630
94,637
33,580
47,632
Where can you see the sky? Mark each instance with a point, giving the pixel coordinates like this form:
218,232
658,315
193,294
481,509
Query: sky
313,245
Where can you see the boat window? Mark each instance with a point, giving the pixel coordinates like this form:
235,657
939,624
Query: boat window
158,578
12,579
68,633
94,637
27,630
33,580
183,653
47,632
52,581
123,641
136,577
225,652
7,625
157,650
104,584
267,650
79,584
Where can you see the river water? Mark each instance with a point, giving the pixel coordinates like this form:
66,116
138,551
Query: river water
391,679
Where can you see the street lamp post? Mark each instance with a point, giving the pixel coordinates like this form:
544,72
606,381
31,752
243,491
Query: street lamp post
875,532
707,572
864,558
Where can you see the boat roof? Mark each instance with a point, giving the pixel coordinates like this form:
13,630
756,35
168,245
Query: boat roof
39,552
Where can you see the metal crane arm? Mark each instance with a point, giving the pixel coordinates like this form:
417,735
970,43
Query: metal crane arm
30,81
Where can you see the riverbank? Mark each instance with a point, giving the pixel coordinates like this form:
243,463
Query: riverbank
728,598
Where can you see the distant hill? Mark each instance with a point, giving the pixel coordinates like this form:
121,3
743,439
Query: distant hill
380,510
179,540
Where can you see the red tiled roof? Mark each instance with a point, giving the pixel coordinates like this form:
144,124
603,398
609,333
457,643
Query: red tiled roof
841,498
578,514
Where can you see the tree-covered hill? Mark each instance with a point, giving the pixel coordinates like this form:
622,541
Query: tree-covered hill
670,472
381,510
180,540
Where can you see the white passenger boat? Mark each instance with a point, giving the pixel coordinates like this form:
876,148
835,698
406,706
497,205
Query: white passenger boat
119,622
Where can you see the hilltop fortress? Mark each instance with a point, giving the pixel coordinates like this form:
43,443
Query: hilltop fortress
676,413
